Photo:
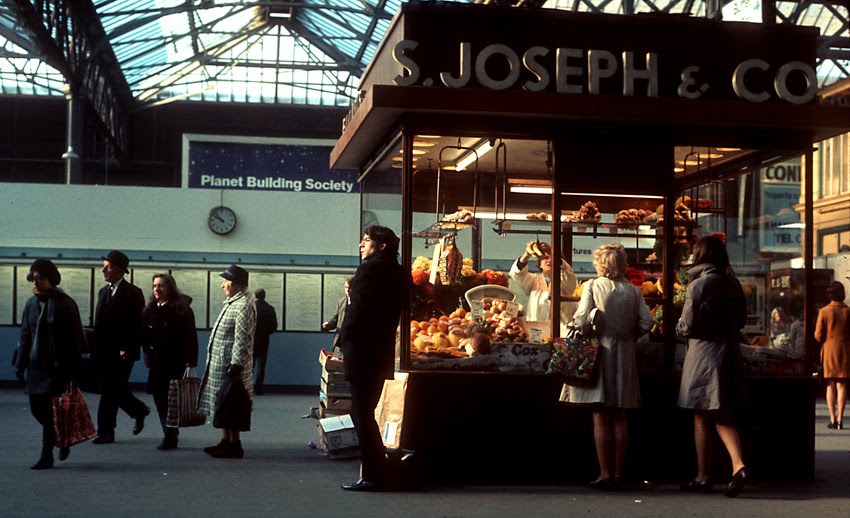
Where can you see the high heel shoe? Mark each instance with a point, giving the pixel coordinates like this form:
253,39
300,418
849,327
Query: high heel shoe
832,425
603,484
839,425
739,480
697,486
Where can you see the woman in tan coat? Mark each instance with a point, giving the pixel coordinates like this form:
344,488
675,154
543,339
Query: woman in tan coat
833,329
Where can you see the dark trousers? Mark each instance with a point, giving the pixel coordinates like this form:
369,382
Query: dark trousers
364,398
159,390
260,357
41,406
114,394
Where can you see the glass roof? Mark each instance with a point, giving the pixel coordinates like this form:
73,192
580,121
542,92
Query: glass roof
306,52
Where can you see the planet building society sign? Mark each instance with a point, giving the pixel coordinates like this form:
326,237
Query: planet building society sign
262,164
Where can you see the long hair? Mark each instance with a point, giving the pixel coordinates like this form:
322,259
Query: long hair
712,250
174,295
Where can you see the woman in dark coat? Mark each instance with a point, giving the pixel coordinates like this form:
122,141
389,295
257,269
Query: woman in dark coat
170,344
49,350
712,380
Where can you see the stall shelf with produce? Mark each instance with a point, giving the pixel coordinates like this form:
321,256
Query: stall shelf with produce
584,137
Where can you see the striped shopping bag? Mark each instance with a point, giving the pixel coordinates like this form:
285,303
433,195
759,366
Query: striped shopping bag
183,402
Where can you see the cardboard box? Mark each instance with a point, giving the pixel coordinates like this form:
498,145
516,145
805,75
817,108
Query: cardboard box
335,389
336,433
337,378
340,405
330,362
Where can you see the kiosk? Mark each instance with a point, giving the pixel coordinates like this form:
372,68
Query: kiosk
482,127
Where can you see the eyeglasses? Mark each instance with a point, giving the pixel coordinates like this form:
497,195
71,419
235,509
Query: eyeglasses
36,278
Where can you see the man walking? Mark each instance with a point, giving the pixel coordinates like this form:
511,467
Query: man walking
117,328
368,343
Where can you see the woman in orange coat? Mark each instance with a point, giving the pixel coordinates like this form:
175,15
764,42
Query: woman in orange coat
833,329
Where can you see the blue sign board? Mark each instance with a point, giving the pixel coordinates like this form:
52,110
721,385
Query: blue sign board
264,166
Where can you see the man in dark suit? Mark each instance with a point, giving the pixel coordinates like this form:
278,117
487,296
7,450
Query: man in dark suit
266,326
117,328
339,317
368,336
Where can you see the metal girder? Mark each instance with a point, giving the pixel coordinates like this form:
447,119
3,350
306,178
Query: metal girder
69,35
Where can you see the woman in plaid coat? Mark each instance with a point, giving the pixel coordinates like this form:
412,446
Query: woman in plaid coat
230,355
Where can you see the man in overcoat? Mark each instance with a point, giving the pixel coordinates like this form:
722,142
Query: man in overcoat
368,337
117,331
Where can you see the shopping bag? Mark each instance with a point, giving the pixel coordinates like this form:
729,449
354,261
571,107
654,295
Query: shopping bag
72,422
575,359
183,402
389,412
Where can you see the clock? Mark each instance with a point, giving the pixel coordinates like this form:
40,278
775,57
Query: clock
222,220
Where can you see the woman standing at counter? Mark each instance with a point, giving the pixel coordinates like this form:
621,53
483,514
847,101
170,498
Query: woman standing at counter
712,382
617,387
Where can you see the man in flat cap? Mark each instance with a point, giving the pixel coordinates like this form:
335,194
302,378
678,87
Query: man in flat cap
117,328
230,361
48,350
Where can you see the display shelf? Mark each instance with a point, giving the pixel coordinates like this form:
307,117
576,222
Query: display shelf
442,228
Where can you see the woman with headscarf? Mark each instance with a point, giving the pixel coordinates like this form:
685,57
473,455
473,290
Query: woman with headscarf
49,350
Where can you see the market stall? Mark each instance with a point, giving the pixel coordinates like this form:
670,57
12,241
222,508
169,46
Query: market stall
571,130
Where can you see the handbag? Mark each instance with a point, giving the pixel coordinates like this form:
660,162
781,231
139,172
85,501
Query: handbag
575,357
232,406
72,421
183,401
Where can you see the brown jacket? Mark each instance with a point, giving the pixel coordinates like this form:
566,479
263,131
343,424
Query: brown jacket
833,329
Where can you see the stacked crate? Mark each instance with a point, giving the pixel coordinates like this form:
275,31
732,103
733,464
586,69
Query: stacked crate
335,392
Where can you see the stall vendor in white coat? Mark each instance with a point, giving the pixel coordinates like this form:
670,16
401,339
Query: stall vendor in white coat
536,285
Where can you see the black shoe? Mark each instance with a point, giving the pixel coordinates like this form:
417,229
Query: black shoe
140,421
233,450
739,480
361,485
212,449
104,439
832,425
604,484
167,444
839,425
64,452
45,462
697,486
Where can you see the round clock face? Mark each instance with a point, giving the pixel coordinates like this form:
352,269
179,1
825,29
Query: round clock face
222,220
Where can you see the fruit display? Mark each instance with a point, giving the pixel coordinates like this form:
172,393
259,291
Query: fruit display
461,216
537,216
462,334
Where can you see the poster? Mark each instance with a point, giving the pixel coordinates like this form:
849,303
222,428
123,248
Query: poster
303,309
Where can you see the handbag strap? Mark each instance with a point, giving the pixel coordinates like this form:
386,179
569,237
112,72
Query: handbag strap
189,373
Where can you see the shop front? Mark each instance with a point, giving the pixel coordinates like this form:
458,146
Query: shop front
481,131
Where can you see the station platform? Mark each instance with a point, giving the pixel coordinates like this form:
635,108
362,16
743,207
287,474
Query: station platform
281,475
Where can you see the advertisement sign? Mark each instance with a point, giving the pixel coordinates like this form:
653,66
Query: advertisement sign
263,164
780,225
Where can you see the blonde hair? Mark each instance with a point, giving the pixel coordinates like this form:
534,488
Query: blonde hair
610,260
